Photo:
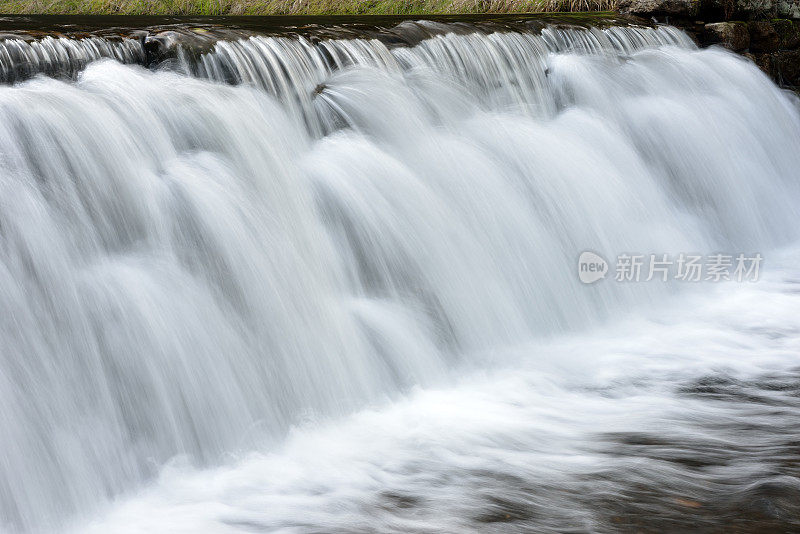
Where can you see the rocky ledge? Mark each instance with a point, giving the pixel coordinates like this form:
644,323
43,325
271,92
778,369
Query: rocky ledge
773,45
766,31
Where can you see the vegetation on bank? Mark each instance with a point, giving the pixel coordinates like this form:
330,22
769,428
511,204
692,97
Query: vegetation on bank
296,7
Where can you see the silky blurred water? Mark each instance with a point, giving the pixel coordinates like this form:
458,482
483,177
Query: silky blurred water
331,287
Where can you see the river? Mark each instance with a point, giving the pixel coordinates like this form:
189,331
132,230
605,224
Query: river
328,277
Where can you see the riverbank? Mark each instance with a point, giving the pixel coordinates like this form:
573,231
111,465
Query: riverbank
298,7
773,45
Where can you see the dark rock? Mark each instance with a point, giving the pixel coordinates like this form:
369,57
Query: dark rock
732,35
786,67
763,37
788,34
762,61
141,36
739,9
160,46
685,8
164,46
755,9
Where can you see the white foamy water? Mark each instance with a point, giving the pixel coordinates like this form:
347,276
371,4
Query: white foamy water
550,441
344,298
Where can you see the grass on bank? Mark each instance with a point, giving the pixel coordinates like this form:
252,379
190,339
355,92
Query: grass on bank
296,7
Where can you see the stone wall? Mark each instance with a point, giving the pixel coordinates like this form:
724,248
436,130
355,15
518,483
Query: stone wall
774,45
766,31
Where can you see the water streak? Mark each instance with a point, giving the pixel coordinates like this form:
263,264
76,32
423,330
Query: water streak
61,56
189,267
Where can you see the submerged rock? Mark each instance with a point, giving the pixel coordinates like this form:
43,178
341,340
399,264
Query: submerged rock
160,46
165,45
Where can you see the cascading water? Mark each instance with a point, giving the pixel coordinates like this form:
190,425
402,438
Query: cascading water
225,257
20,59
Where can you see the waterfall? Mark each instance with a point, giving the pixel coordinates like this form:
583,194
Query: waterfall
61,56
503,68
196,256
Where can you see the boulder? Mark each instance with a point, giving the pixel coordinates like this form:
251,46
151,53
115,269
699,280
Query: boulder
788,9
788,34
165,45
732,35
160,46
763,37
649,8
762,61
755,9
739,9
786,67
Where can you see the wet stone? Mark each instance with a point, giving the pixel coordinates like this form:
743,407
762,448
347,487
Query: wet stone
732,35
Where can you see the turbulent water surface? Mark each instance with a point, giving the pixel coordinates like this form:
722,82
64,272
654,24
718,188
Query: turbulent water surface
329,283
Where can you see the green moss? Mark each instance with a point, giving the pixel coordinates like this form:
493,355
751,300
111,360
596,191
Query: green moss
788,33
